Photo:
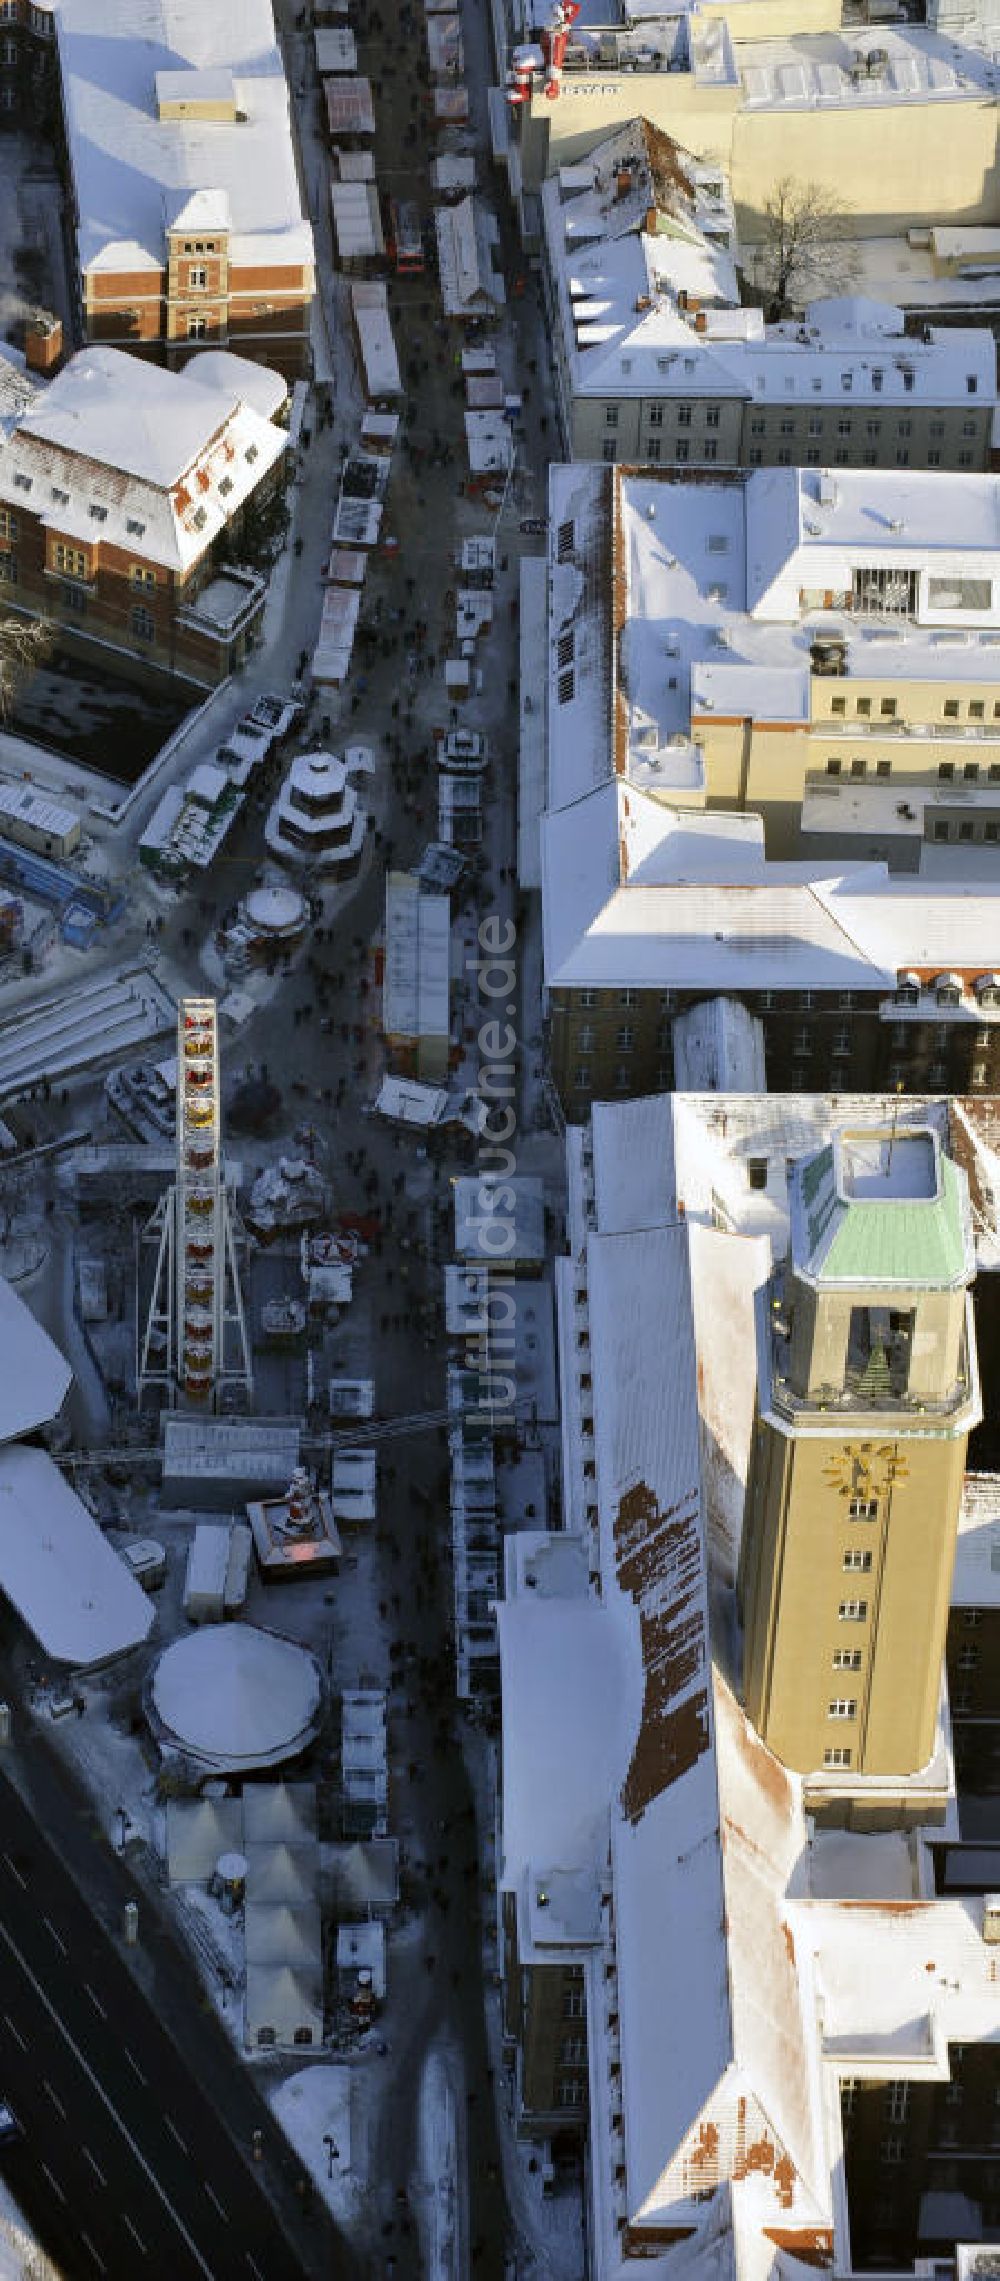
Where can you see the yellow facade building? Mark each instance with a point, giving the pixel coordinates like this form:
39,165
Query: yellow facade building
895,125
867,1391
817,645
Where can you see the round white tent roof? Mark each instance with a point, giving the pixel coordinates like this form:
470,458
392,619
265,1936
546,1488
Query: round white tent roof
274,910
236,1697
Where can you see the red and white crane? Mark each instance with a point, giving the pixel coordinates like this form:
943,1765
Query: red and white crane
545,57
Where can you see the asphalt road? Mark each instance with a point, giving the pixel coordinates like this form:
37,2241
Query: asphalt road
123,2165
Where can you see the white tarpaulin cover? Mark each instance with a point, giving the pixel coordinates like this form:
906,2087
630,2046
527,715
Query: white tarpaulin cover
78,1599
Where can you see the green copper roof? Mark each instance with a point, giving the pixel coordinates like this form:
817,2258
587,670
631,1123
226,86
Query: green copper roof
884,1234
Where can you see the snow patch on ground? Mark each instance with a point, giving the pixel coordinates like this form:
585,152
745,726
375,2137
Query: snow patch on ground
21,2259
311,2107
435,2193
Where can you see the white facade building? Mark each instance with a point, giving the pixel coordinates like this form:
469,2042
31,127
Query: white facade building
656,360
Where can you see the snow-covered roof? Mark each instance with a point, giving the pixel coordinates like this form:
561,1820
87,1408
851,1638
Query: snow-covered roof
673,602
832,68
648,1758
736,1965
639,237
137,174
18,387
975,1579
349,108
468,237
119,450
357,220
35,1378
236,1697
376,344
416,990
510,1227
79,1600
638,894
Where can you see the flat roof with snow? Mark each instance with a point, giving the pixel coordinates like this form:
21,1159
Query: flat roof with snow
236,1697
673,602
136,171
69,1587
635,1791
636,894
34,1378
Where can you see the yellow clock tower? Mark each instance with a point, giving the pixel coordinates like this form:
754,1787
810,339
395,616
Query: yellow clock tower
867,1391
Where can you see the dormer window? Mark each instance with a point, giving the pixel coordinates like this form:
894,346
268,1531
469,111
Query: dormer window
22,482
987,987
98,514
948,990
908,990
972,383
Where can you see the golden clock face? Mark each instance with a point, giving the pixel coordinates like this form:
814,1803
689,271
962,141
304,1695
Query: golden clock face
866,1468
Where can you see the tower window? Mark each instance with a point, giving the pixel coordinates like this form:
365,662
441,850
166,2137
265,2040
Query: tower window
863,1508
837,1756
842,1707
847,1659
856,1559
853,1611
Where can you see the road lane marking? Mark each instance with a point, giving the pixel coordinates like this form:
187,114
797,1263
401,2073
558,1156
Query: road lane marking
95,2000
15,2032
254,2267
134,2065
134,2231
98,2261
213,2197
15,1872
53,2182
95,2166
175,2133
57,1937
54,2096
106,2101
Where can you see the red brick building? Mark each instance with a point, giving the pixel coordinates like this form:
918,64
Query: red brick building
185,192
123,491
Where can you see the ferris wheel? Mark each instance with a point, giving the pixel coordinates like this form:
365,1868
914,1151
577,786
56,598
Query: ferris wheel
195,1338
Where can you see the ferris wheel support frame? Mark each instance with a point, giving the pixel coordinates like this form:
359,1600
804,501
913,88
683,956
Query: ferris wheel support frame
195,1344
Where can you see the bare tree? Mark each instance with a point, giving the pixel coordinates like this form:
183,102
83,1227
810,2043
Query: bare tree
23,644
804,253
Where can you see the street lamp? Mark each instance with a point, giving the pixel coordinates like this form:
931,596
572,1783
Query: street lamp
332,2153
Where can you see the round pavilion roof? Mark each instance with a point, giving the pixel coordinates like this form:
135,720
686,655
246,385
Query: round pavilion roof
236,1697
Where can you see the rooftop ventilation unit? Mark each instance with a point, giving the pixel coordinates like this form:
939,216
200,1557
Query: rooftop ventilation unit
828,655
